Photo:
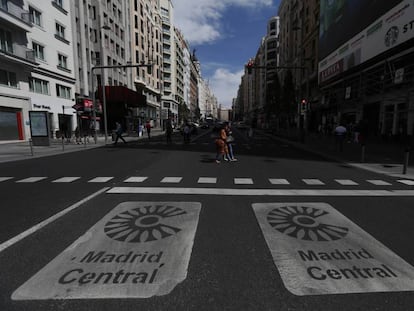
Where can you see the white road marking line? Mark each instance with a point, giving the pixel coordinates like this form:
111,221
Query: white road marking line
346,182
313,181
243,181
136,179
5,178
260,192
406,182
51,219
31,179
66,179
318,251
171,180
378,182
207,180
275,181
100,179
135,269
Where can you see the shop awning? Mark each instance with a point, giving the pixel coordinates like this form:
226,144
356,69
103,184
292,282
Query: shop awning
122,94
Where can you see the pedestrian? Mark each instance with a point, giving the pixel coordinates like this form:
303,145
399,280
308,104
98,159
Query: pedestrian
186,133
229,141
340,134
221,144
168,131
78,137
148,127
118,133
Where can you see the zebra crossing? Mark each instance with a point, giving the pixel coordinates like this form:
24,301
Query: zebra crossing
206,180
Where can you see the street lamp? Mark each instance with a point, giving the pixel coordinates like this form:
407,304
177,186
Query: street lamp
105,27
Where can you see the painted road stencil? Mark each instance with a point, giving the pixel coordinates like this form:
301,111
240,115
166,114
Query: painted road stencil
138,250
317,251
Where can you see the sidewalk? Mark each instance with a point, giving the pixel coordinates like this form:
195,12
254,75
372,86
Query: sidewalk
377,155
21,150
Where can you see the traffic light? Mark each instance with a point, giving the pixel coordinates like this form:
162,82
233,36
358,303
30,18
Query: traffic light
249,67
303,105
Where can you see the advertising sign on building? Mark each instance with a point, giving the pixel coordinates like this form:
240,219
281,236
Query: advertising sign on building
346,40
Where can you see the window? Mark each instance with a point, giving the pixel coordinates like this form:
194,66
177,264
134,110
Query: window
62,61
8,78
35,16
58,3
38,50
6,41
60,30
39,86
63,91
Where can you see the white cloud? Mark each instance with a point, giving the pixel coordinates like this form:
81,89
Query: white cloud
200,20
224,84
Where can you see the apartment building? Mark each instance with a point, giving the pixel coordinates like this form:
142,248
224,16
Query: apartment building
36,67
147,48
101,35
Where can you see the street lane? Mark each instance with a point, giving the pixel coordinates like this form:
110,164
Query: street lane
231,266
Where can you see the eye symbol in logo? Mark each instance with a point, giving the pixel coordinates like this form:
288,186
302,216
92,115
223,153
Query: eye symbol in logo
301,222
143,224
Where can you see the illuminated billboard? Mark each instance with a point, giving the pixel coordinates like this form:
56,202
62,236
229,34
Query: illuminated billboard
354,31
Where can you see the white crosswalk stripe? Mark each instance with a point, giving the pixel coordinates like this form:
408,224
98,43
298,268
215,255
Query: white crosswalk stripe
378,182
346,182
172,180
276,181
136,179
66,179
313,182
406,182
207,180
243,181
31,179
5,178
210,180
100,179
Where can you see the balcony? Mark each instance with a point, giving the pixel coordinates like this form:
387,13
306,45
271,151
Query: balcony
20,54
15,15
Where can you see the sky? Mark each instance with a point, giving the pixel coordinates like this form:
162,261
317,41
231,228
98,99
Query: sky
225,35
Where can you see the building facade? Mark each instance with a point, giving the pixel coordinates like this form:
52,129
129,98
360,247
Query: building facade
37,67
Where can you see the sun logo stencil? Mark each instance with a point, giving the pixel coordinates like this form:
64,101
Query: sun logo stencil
301,222
143,224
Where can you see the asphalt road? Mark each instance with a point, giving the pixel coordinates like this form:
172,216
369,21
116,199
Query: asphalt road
230,265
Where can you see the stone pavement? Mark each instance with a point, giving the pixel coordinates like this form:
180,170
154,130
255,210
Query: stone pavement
22,150
384,157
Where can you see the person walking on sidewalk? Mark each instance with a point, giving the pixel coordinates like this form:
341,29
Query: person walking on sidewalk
340,134
168,131
118,133
148,127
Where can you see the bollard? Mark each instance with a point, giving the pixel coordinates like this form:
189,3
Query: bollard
406,158
63,143
362,153
31,146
